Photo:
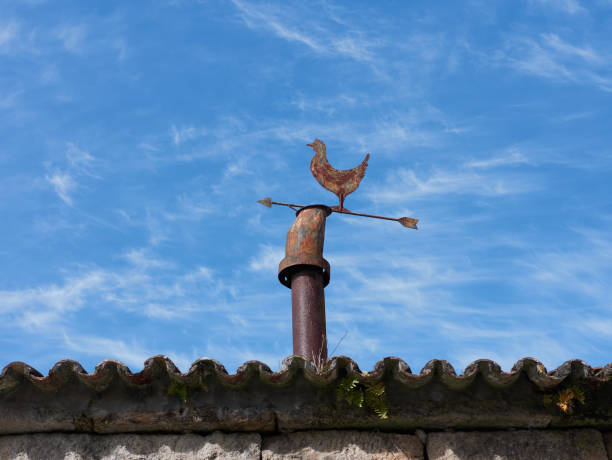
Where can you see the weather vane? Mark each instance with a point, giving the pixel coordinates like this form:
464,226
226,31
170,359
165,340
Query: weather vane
304,269
339,182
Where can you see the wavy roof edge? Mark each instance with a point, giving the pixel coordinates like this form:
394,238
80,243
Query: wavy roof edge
335,368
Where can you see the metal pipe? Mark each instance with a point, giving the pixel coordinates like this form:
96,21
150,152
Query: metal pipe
306,272
308,313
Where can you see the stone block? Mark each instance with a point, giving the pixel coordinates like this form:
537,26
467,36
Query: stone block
342,445
584,444
58,446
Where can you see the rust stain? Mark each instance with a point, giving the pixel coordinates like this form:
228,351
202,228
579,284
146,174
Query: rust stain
304,244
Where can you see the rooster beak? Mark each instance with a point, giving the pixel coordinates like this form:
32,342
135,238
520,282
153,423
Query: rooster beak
309,145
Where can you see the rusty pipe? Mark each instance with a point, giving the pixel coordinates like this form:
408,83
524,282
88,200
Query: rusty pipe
308,314
306,272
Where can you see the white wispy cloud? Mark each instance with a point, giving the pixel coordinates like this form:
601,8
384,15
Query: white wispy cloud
78,157
545,347
122,48
580,271
63,184
355,338
551,57
186,207
183,134
267,259
327,105
598,325
238,138
153,289
158,232
143,259
511,157
535,59
237,167
73,37
133,353
96,34
568,6
571,117
8,33
190,207
390,277
81,161
247,353
50,75
286,23
585,53
78,164
261,16
10,99
406,184
201,273
148,284
46,304
416,290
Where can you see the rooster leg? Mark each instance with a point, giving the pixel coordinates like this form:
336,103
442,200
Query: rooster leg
341,207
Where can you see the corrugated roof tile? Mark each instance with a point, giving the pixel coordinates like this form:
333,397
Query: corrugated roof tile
299,396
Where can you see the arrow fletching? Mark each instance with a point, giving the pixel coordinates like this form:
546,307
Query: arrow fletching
408,222
267,202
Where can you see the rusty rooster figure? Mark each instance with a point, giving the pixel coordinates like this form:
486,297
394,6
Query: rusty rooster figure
340,182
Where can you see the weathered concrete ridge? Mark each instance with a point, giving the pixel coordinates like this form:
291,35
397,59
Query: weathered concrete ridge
160,399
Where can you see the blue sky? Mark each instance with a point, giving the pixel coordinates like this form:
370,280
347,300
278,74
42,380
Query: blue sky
136,138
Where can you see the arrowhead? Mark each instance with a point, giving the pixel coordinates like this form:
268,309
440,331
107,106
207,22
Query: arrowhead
267,202
408,222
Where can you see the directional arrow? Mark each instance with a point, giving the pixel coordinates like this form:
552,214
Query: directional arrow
405,221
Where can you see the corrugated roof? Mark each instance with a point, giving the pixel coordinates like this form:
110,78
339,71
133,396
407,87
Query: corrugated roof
162,399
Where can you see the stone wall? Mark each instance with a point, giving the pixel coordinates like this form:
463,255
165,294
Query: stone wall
588,444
